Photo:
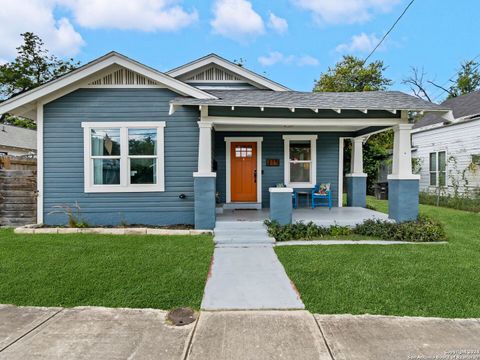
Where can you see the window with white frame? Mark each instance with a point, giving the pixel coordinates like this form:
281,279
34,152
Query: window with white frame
300,160
124,157
438,168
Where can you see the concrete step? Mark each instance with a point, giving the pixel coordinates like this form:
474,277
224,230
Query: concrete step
249,232
239,224
243,240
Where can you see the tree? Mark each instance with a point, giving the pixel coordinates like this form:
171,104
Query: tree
417,85
352,74
32,67
466,81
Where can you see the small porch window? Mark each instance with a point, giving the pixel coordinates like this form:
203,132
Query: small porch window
300,160
124,157
438,167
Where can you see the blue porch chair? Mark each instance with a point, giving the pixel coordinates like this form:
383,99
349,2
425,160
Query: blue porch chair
322,192
295,199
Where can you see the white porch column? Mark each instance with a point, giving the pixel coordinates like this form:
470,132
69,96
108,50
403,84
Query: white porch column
356,166
204,181
403,185
402,153
205,148
357,179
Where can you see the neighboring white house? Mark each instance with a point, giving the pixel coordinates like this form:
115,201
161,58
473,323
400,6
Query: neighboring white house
448,153
17,141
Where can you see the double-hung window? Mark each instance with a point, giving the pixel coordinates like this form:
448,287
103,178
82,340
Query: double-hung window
124,157
300,160
438,167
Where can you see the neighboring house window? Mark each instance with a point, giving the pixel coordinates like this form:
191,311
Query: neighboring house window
124,157
300,154
438,167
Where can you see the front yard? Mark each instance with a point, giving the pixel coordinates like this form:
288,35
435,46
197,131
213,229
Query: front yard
103,270
417,280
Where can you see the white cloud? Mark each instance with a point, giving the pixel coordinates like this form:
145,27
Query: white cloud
36,16
143,15
359,43
276,57
272,58
307,60
345,11
236,19
280,25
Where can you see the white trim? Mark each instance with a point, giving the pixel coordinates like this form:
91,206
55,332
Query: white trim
341,146
403,177
228,143
320,122
39,163
280,190
356,175
286,160
93,67
232,67
206,174
124,186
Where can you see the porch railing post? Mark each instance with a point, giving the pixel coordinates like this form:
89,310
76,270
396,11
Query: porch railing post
281,207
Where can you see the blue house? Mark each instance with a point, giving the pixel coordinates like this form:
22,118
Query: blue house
131,144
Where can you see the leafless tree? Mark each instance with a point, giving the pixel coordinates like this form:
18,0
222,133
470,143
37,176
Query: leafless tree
416,81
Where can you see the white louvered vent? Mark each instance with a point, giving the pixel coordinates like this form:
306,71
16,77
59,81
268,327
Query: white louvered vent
123,77
214,73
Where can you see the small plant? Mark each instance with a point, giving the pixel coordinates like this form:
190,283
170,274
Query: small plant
75,219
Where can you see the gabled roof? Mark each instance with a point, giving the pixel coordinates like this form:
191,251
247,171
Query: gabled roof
465,106
369,100
93,67
259,80
17,137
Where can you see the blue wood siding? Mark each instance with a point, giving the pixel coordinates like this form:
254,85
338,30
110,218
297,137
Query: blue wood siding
273,148
64,163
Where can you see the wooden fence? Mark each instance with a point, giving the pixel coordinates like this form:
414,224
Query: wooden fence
18,197
17,163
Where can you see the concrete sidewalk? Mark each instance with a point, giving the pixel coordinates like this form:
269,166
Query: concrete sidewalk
245,273
102,333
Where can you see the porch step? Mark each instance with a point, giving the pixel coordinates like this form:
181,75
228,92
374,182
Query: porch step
241,233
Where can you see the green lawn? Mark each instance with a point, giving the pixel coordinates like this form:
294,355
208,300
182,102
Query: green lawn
417,280
103,270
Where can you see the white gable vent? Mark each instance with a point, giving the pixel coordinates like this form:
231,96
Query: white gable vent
212,73
123,77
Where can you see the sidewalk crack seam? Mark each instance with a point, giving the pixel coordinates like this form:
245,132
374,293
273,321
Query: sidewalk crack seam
31,330
190,341
323,337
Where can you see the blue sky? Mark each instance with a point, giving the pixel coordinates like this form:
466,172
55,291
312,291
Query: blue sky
290,41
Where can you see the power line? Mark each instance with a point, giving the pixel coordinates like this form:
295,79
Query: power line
388,32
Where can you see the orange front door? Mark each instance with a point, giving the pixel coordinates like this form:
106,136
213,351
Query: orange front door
243,176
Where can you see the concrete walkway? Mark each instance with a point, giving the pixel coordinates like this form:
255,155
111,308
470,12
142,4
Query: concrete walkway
108,334
245,273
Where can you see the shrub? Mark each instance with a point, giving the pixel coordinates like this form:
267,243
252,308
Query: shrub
304,231
422,230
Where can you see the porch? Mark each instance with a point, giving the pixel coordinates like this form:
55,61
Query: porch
259,141
344,216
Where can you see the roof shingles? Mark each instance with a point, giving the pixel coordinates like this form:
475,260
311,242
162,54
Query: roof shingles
372,100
